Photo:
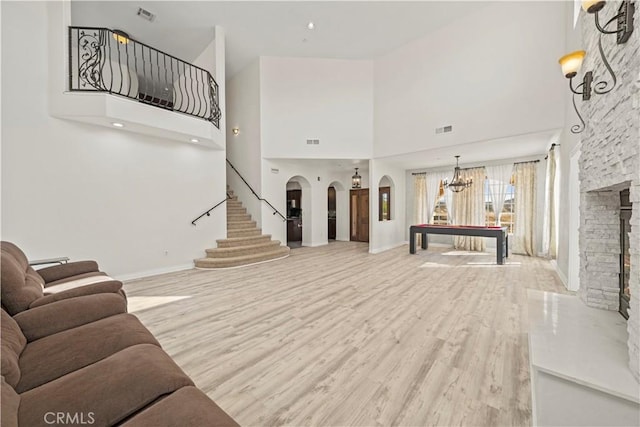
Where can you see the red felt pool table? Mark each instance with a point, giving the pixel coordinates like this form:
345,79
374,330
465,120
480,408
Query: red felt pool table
500,233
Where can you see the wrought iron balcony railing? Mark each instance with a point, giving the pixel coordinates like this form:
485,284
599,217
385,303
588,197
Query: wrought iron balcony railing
101,60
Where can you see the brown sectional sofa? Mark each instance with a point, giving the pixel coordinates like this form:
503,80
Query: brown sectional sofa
98,369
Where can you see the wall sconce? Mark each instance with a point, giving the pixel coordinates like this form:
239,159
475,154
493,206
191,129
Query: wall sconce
235,131
571,64
356,180
624,18
120,36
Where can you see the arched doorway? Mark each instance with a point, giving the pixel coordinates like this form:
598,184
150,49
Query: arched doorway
337,213
298,211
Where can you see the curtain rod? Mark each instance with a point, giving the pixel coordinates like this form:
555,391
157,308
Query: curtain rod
475,167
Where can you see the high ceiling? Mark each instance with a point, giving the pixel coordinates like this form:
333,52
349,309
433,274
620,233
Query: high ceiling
342,29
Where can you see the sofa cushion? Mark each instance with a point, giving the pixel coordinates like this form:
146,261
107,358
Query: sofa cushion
13,343
64,271
76,348
185,407
69,313
76,282
109,390
10,402
20,285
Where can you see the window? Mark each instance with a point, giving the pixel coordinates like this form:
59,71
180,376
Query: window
507,216
440,212
384,203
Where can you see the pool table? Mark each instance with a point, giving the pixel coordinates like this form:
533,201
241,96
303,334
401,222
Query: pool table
500,233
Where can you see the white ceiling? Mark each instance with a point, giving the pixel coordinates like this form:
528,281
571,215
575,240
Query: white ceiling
514,147
343,29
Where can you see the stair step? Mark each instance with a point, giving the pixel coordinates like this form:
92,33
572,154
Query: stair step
231,198
243,241
234,203
242,250
240,225
279,252
236,209
232,217
244,232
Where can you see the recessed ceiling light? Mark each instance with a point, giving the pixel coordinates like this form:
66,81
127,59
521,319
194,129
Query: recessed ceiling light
118,125
195,140
310,25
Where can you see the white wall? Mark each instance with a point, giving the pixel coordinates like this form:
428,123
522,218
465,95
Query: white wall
385,235
308,98
314,211
90,192
492,73
567,229
243,149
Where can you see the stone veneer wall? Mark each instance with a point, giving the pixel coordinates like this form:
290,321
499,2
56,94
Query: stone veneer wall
609,162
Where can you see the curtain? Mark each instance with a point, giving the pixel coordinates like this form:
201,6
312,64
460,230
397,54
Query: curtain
448,198
525,208
499,178
420,203
420,207
469,209
549,229
433,190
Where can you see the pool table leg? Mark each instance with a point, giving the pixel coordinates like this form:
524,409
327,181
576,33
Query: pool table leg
506,245
425,240
500,249
412,242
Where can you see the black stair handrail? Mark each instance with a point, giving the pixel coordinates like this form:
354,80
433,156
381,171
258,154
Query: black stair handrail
208,213
275,211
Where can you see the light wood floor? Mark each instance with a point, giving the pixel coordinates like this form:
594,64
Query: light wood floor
334,336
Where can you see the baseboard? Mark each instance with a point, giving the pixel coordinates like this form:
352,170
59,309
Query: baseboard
155,272
560,274
386,248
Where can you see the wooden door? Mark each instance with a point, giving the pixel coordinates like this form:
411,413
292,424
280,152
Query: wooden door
359,215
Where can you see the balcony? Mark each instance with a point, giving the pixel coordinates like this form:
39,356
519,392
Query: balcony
102,60
105,78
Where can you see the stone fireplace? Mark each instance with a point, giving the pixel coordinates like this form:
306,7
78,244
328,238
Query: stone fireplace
609,164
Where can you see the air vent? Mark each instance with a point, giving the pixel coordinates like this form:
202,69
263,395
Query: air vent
444,129
313,141
145,14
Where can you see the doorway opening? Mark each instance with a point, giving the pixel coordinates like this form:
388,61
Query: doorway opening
298,212
336,212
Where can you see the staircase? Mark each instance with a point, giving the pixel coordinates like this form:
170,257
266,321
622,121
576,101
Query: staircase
245,244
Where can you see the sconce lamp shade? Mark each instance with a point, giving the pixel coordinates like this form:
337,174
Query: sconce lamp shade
592,6
571,63
120,36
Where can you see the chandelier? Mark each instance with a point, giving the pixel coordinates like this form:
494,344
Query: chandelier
457,184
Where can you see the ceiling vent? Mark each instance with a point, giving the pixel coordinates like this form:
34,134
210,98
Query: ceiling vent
313,141
444,129
145,14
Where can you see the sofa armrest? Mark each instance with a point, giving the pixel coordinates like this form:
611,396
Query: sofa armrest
62,271
110,287
61,315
